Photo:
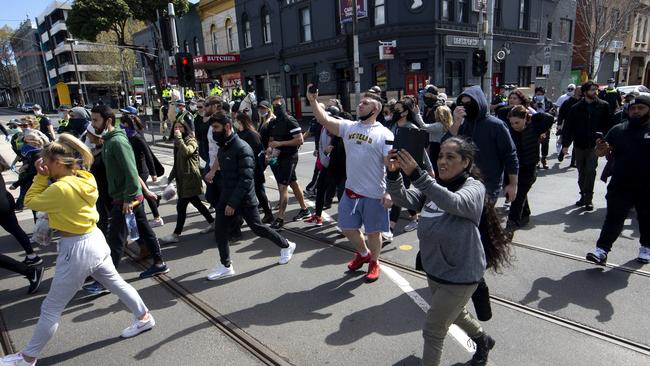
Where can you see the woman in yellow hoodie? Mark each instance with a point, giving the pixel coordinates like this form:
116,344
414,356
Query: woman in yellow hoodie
70,205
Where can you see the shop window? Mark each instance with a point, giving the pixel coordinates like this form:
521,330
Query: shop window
381,76
454,77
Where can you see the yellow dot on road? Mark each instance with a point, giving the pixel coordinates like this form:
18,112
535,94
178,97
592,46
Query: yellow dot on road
405,247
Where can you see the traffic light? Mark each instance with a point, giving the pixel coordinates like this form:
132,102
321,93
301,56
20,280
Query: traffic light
185,69
479,64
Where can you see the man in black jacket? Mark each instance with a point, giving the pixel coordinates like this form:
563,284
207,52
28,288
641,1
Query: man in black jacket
237,198
561,117
629,143
587,119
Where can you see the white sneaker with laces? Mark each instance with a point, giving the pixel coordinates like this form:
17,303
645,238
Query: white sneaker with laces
208,229
15,359
138,327
287,253
644,255
157,222
387,236
411,226
221,271
171,238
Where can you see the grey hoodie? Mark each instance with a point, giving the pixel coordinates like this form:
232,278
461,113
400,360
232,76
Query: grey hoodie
450,242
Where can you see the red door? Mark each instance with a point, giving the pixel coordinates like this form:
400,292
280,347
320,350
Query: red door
297,101
414,82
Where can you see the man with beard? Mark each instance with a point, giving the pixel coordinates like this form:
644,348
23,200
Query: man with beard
237,197
365,201
585,121
630,144
496,151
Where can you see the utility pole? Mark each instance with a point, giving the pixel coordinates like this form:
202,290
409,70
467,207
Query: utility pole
355,45
71,41
489,44
172,23
125,83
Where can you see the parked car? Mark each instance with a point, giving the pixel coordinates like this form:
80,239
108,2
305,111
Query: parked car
641,89
27,107
19,106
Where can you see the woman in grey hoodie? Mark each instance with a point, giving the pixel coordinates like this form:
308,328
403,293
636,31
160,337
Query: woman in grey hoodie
451,250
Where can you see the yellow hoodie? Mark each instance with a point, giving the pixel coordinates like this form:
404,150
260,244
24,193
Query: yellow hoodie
69,202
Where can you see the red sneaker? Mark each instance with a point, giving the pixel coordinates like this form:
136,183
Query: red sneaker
373,271
314,220
358,261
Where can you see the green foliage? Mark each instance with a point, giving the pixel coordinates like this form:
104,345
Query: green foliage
88,18
145,10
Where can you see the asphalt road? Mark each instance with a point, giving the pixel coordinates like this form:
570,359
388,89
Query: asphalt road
550,306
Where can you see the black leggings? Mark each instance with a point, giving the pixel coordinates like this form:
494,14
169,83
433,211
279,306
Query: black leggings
153,204
181,212
260,192
325,190
9,222
13,265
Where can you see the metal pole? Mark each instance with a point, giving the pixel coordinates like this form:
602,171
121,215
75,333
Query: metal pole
125,85
76,70
172,23
355,45
489,44
481,37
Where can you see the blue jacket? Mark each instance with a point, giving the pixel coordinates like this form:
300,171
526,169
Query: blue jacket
496,152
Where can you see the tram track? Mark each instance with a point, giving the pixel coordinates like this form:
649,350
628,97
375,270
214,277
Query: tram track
513,305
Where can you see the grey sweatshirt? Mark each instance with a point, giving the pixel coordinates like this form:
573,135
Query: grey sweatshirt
450,243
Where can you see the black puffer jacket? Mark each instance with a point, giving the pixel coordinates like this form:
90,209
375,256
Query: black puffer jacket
237,165
527,141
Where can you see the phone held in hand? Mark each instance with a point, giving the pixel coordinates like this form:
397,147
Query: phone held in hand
412,140
314,84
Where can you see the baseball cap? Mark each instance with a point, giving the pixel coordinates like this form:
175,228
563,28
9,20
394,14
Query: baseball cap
641,99
36,106
129,110
571,87
264,104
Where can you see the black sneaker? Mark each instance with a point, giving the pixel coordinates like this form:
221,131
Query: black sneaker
302,214
484,343
581,202
589,206
268,218
35,278
277,224
33,261
598,256
154,270
560,156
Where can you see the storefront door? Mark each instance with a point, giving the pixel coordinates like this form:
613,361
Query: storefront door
414,82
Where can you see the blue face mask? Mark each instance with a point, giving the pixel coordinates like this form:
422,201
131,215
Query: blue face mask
177,110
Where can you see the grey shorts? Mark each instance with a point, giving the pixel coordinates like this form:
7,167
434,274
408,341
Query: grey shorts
369,212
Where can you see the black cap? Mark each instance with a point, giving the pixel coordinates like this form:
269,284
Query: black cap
264,104
641,99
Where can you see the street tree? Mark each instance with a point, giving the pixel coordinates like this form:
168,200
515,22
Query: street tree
112,16
601,22
8,72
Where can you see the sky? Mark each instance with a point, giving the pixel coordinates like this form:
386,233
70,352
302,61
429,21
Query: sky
14,12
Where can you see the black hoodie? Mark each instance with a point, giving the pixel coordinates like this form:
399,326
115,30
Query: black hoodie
496,151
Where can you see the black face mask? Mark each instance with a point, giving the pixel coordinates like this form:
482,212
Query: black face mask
220,137
364,118
639,121
430,102
278,109
471,109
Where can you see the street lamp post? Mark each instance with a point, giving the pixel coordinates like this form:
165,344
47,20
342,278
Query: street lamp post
71,41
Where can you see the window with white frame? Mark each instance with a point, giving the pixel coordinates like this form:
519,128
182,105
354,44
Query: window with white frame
305,25
214,38
266,25
229,35
380,12
247,31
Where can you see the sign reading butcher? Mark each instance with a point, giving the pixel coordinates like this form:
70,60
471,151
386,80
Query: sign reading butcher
215,59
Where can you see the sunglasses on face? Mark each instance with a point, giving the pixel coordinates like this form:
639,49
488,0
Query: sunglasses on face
570,89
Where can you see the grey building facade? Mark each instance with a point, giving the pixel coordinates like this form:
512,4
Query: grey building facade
29,63
434,42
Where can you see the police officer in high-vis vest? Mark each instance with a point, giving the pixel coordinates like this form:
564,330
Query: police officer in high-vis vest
216,89
167,93
189,94
238,93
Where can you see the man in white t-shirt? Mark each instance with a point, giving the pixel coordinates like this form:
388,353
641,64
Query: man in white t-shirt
365,201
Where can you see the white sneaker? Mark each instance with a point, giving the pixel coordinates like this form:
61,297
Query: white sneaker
138,327
171,238
411,226
15,359
387,237
208,229
287,253
644,255
221,271
156,222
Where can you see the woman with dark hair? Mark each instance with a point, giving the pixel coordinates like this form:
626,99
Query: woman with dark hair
189,182
247,132
452,251
516,97
525,131
144,160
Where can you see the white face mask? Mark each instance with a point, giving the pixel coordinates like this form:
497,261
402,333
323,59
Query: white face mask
264,114
611,85
38,113
570,93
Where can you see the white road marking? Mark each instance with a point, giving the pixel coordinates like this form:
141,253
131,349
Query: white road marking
457,333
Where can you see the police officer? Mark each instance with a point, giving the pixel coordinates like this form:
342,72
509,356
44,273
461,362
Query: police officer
629,143
216,89
238,93
167,93
189,94
611,95
44,123
64,119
